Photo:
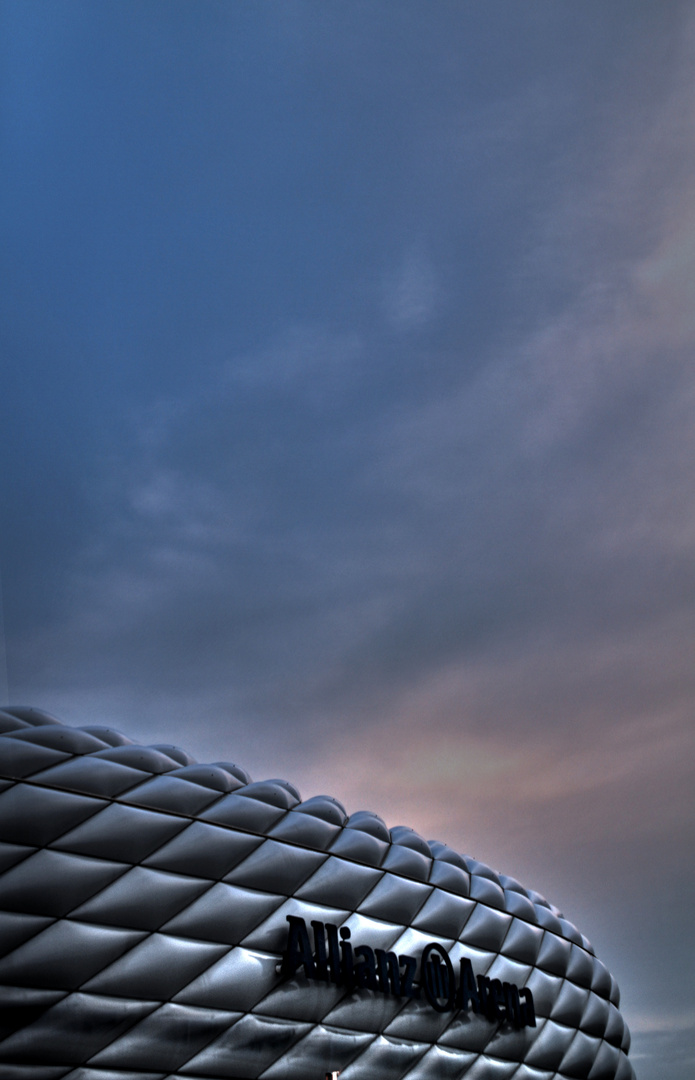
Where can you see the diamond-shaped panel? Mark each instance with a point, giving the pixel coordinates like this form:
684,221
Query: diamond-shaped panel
144,904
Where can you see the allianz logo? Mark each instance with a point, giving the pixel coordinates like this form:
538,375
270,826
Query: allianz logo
334,959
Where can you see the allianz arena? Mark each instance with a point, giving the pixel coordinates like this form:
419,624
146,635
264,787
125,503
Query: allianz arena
163,919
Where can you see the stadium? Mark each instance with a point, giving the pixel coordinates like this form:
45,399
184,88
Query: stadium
162,919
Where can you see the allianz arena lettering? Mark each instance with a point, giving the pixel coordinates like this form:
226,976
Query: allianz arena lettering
162,919
340,962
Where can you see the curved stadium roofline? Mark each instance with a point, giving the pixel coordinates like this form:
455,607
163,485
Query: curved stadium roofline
161,917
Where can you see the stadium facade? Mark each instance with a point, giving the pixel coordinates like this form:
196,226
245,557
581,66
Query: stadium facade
160,919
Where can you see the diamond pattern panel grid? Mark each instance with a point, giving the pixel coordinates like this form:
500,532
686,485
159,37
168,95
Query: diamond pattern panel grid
147,912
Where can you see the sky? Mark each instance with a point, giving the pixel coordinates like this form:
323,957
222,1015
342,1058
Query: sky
347,422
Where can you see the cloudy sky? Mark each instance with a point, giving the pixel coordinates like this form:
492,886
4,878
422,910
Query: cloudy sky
347,421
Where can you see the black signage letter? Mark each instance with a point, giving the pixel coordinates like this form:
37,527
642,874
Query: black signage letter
512,1005
320,949
409,963
437,977
468,990
388,973
333,952
487,1006
348,971
528,1012
298,949
365,970
496,1000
